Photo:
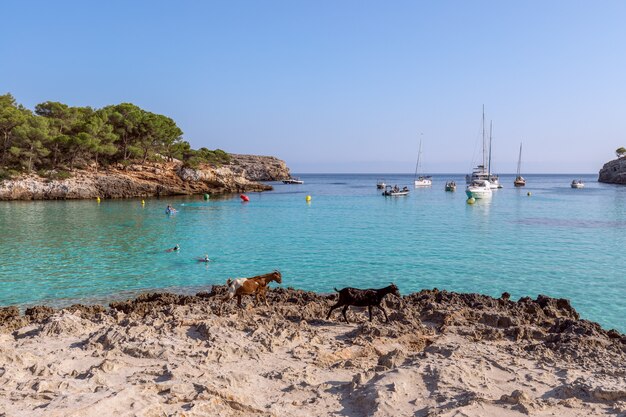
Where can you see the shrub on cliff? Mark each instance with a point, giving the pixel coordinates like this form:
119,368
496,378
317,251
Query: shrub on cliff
620,152
7,174
193,159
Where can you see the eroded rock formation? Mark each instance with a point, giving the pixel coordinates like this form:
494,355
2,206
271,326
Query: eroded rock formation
241,175
259,168
613,172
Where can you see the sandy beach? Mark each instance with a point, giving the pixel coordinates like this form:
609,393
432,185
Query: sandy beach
441,354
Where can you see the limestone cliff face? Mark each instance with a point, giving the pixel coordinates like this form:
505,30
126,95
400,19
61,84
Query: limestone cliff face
259,168
150,180
614,172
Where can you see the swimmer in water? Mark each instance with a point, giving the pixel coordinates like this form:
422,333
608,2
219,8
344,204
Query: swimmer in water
205,259
174,249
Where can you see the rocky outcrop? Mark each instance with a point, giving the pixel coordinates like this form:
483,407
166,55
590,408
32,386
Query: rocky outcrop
241,175
614,172
259,168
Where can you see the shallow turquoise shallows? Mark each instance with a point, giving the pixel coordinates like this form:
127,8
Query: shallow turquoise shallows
558,241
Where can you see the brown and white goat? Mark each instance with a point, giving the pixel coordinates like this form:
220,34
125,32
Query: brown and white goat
256,286
370,297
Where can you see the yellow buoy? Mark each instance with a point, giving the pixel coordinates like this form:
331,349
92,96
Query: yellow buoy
308,198
471,200
143,203
98,199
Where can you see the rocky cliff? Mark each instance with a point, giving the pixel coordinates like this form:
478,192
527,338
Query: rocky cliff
259,168
614,172
149,180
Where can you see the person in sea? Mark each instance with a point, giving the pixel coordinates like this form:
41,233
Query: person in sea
170,209
174,249
205,259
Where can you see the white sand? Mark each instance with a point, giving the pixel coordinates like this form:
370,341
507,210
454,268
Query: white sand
186,361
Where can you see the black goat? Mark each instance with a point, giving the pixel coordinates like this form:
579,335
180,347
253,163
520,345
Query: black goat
361,298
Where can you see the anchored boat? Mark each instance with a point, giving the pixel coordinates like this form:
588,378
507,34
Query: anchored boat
478,189
519,180
293,180
483,170
422,180
395,191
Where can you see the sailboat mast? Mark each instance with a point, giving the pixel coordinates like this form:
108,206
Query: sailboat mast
484,147
490,137
417,164
519,160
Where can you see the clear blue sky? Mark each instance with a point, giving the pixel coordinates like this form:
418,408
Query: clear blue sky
341,86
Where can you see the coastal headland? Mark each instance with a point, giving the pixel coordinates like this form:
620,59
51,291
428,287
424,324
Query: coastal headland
614,172
442,353
151,179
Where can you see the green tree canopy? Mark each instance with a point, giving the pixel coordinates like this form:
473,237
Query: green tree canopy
11,116
58,136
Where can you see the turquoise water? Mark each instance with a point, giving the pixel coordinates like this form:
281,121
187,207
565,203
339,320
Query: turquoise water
559,241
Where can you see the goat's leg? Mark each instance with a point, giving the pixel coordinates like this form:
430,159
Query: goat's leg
265,298
344,313
384,312
239,300
331,310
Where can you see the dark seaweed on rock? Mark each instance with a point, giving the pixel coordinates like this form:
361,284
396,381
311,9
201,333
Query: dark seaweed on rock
146,303
544,327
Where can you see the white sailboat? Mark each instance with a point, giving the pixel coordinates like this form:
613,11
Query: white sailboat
519,180
421,181
483,171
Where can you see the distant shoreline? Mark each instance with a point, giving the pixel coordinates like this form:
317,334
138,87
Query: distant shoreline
242,174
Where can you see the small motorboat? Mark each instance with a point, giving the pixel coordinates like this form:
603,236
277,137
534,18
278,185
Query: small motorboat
380,184
395,191
479,189
293,180
450,186
578,184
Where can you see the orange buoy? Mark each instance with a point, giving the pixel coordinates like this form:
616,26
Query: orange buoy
244,197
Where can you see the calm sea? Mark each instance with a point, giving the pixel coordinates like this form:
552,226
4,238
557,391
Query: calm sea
558,241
